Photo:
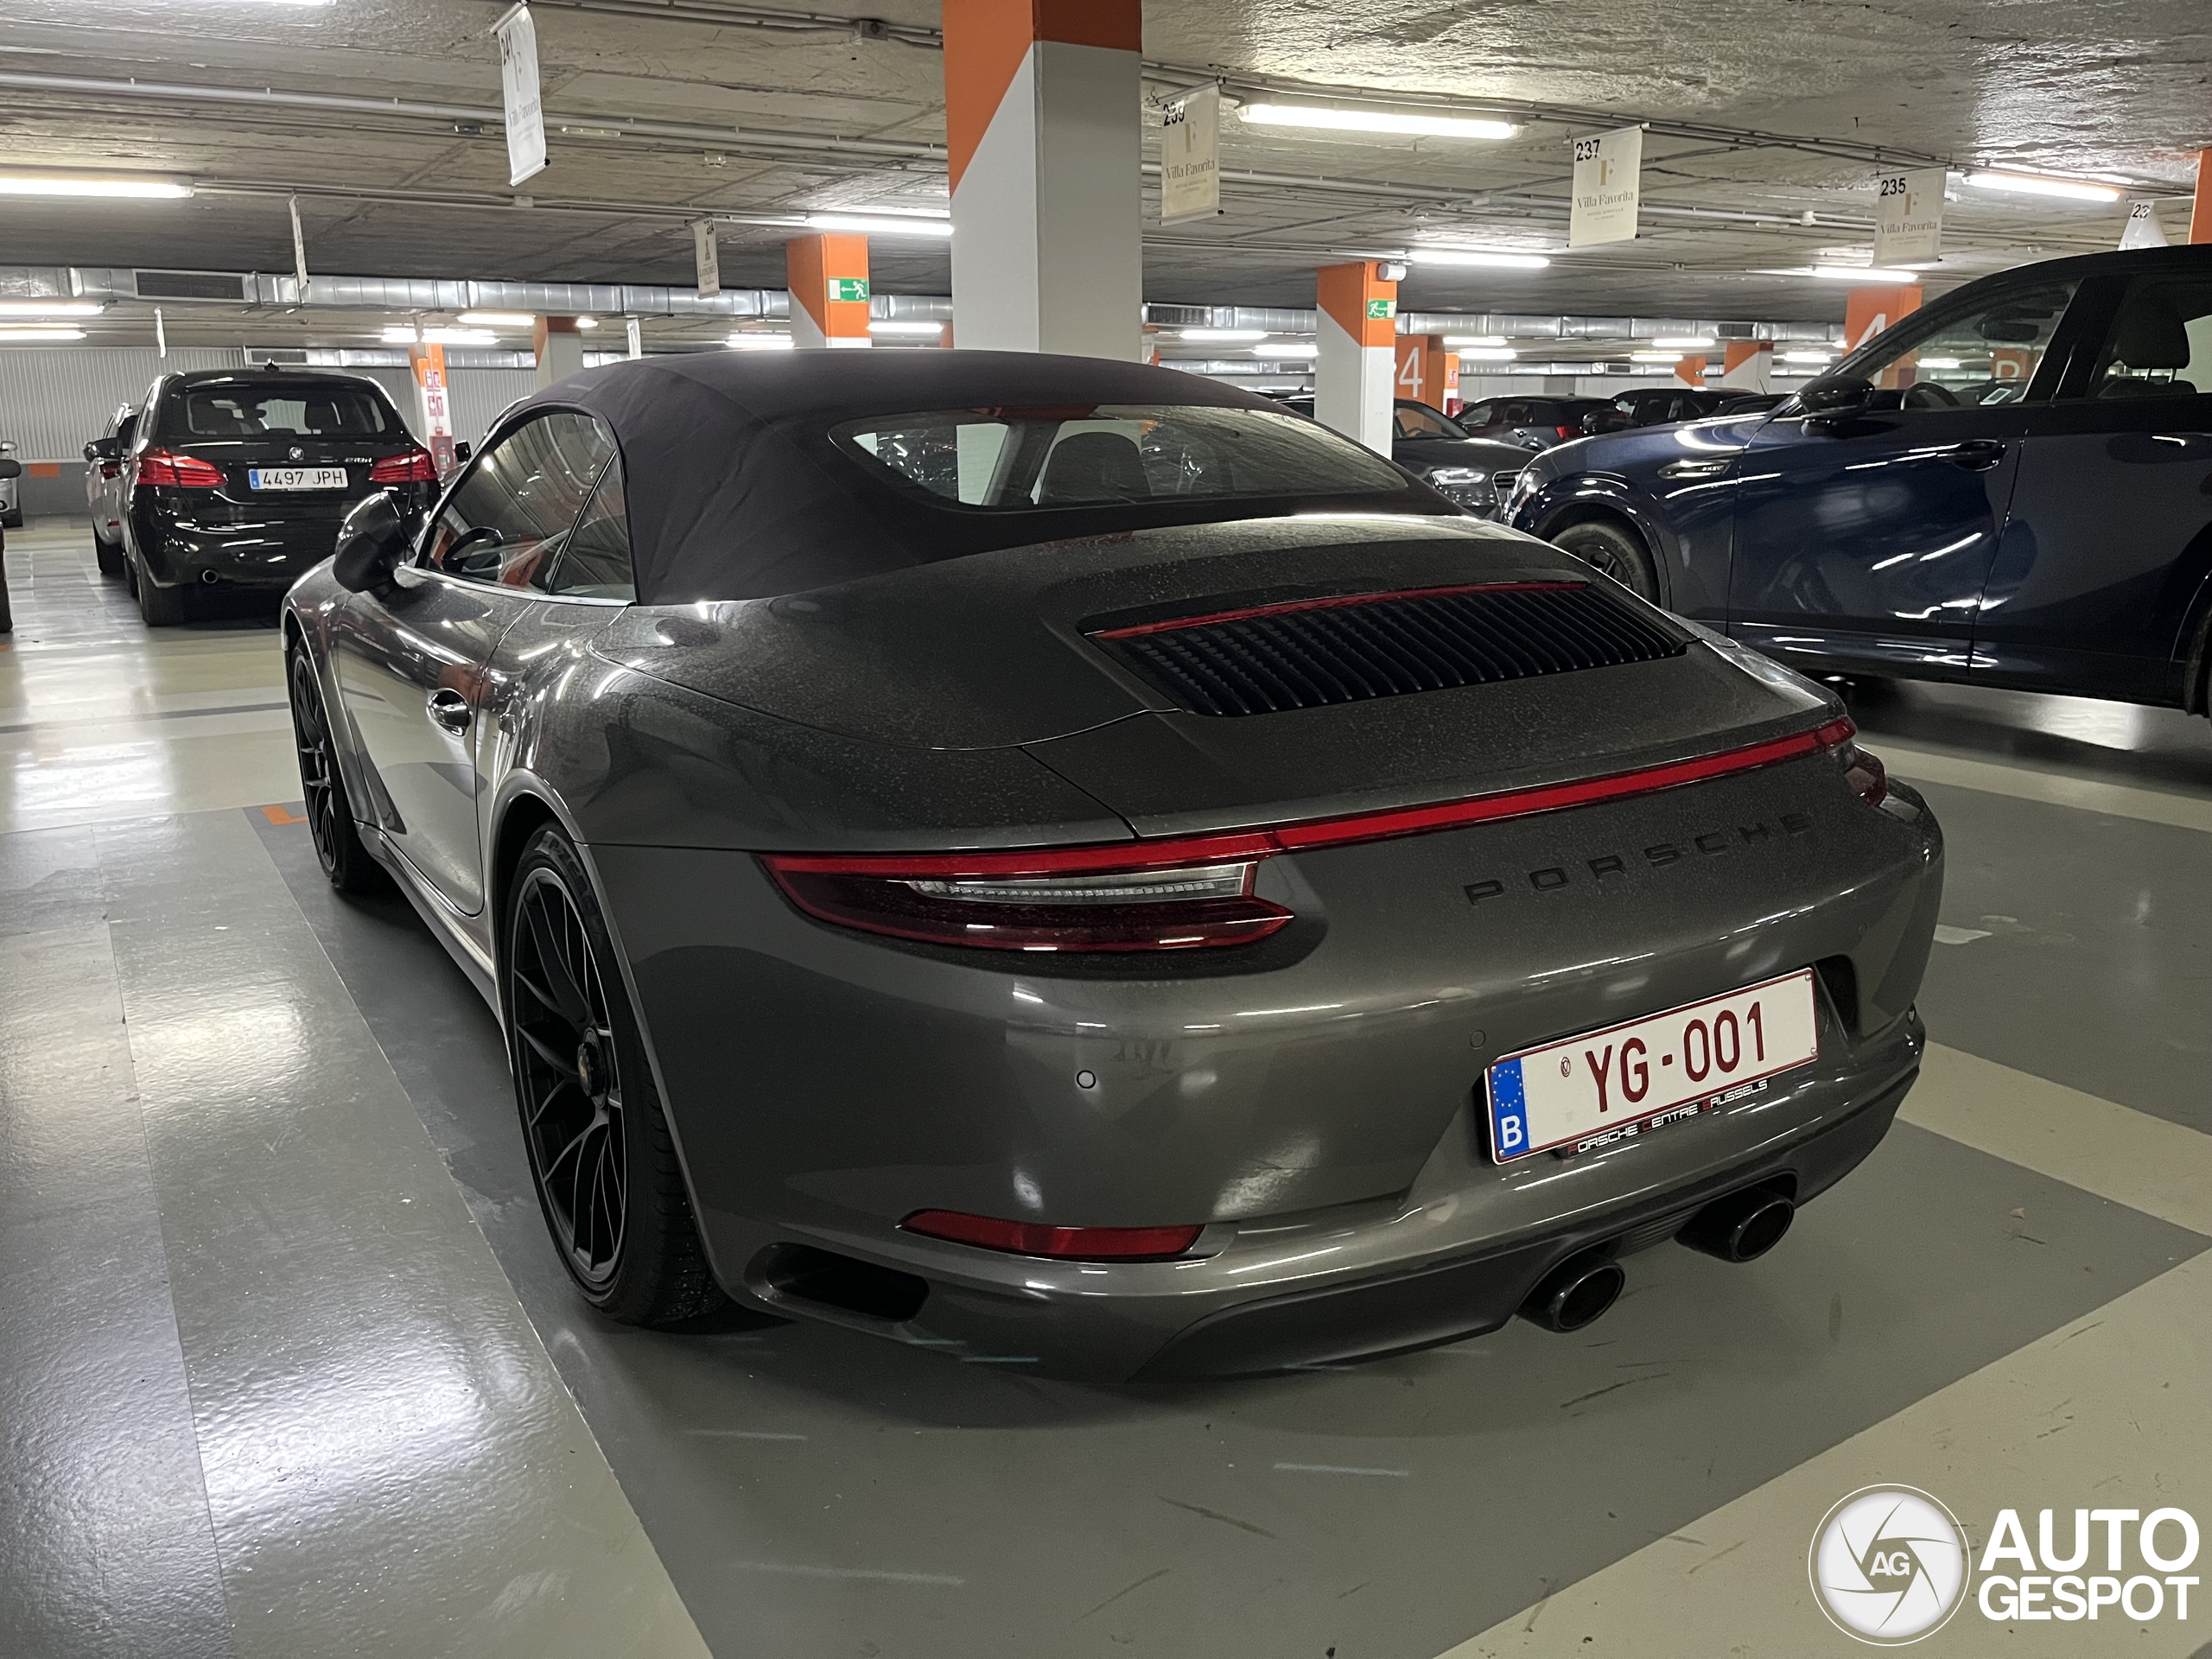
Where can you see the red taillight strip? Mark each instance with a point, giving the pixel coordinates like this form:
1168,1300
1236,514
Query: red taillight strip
1066,1244
1335,602
1322,832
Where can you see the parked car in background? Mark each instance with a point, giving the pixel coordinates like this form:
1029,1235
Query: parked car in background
239,478
2012,486
103,485
1538,422
1475,473
1656,405
11,488
1752,403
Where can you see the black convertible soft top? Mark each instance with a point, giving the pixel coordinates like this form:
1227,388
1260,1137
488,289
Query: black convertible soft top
736,489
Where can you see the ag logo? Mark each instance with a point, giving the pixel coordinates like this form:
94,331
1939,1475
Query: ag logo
1888,1565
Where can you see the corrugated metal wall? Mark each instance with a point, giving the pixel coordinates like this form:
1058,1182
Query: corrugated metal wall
55,400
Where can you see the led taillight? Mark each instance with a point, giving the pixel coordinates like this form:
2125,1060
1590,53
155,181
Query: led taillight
187,471
1866,774
1067,1243
415,466
1564,431
1189,891
1143,909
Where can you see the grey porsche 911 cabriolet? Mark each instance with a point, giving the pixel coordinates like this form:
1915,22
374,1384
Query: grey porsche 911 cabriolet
1064,863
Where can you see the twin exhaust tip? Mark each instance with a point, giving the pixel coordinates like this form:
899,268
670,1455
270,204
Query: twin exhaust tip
1741,1227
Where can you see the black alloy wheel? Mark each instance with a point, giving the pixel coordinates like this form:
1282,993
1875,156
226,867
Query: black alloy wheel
1614,548
337,846
600,1153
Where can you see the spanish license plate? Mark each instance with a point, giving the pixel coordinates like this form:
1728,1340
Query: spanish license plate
296,477
1627,1079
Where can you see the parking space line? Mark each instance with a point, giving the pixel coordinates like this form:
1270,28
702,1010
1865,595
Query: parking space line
2121,800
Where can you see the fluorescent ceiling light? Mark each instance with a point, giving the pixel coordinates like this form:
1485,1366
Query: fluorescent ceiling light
41,333
916,327
759,343
1809,357
400,334
498,319
50,309
2028,184
1654,357
1848,273
586,322
1342,120
881,224
20,184
1223,334
1478,257
1457,340
1683,342
1289,348
1489,354
1938,362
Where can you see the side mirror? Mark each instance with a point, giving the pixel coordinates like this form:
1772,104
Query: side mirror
462,452
372,541
10,467
1839,399
104,449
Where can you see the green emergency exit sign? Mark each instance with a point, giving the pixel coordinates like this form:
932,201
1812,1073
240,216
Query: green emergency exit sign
1380,310
848,287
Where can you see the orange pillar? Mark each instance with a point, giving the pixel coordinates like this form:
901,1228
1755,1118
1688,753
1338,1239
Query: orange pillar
2200,217
1690,371
559,346
1746,364
1357,358
828,276
1426,372
1869,310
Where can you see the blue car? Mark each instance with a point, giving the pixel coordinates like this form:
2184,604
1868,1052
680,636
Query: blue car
2011,486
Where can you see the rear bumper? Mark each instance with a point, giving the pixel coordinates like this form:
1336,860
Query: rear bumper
179,550
1451,1259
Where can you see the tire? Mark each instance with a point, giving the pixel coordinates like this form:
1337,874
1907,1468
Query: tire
160,607
344,858
109,554
1614,548
12,520
600,1154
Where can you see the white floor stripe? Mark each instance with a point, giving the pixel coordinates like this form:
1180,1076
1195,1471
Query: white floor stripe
2121,800
2163,1169
2011,1436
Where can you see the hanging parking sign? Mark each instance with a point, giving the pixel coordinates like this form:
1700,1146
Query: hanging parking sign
707,257
525,119
1190,157
2143,230
1909,217
1608,185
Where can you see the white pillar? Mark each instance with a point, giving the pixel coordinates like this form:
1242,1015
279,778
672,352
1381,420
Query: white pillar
1043,116
560,350
1358,362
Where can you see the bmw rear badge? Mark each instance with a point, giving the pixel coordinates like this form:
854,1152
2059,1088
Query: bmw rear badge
297,454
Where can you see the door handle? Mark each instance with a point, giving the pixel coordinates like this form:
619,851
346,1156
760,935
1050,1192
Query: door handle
1976,456
450,710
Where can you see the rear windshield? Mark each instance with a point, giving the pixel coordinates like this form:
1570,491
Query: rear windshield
1021,460
295,408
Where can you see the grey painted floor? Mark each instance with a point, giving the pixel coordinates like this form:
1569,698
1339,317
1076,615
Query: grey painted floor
265,1389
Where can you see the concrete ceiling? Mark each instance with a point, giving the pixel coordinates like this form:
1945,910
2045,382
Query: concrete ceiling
1762,113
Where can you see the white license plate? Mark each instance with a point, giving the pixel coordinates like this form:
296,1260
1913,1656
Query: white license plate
1589,1089
296,477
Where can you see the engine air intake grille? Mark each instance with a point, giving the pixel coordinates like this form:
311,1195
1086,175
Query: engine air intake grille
1311,653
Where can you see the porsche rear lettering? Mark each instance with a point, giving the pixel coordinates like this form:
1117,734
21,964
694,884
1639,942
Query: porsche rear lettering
1609,866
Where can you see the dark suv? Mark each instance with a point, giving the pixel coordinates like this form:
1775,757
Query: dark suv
238,479
1538,422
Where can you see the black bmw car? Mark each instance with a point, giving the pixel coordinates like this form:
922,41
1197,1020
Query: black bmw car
238,480
1473,473
2011,487
1068,864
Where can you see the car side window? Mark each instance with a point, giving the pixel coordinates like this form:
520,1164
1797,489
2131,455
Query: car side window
511,515
1981,357
1514,413
2160,342
594,561
1420,423
1478,415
